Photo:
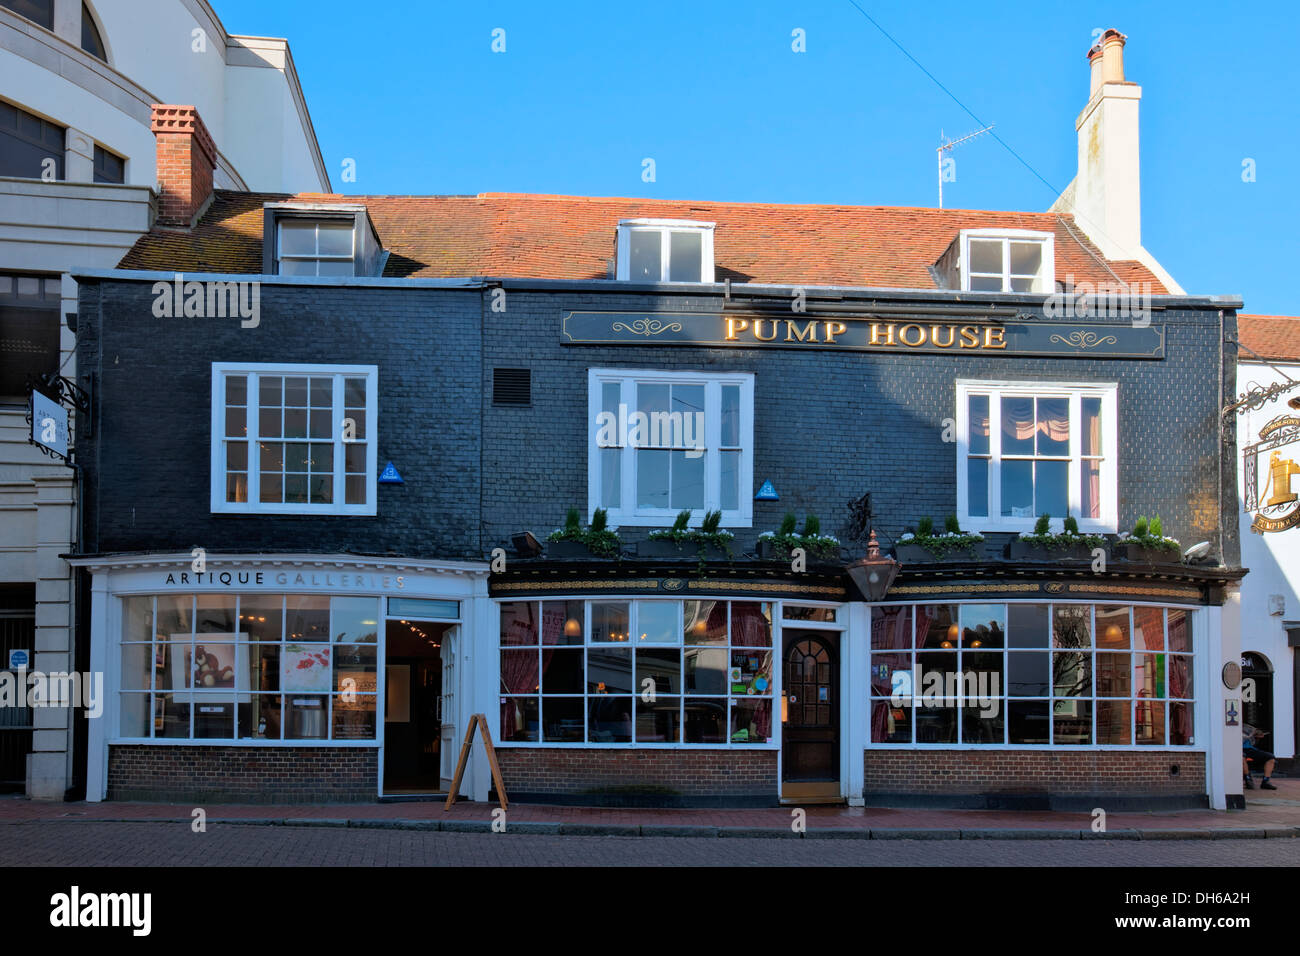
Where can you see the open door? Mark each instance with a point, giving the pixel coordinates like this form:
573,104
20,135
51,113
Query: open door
417,663
447,708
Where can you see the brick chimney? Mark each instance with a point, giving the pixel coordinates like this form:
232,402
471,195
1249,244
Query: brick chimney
187,157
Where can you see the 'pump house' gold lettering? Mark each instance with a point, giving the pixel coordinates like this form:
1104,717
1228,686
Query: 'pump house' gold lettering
911,335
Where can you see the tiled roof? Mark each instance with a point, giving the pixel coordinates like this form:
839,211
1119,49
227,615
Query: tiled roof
1272,336
573,237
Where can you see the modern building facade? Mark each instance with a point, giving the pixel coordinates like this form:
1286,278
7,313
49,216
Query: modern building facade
1268,383
80,182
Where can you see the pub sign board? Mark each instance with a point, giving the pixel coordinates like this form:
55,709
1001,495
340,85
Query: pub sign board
867,333
1270,470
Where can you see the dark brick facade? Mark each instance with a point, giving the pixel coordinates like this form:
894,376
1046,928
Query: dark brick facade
243,774
1149,775
660,777
829,425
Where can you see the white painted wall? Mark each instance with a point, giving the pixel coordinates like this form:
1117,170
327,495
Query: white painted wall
1274,563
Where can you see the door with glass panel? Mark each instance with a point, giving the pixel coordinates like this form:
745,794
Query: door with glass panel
810,738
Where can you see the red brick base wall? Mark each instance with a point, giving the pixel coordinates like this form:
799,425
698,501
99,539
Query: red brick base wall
672,774
1081,773
243,774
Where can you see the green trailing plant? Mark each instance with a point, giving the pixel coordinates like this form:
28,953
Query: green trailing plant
598,537
1068,537
1150,533
940,543
709,533
815,544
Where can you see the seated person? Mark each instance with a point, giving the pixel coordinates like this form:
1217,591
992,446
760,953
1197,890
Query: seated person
1250,752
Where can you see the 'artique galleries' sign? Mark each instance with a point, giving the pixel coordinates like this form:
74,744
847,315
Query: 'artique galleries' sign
865,333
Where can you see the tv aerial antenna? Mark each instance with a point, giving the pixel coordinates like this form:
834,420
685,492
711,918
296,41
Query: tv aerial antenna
948,145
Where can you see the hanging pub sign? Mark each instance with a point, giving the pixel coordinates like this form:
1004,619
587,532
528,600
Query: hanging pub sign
49,424
1269,474
1018,335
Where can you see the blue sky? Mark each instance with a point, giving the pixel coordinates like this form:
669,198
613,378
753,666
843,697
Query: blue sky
714,94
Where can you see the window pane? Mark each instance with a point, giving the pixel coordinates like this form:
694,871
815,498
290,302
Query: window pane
978,435
658,721
1028,674
1150,719
937,624
1149,628
1090,488
297,267
687,479
272,488
1026,258
1018,489
729,493
984,284
1180,675
335,239
644,255
609,621
685,256
236,389
662,667
704,622
977,487
706,670
1053,426
1072,625
1023,285
1149,675
705,721
1052,494
215,614
354,394
986,255
730,416
335,267
297,238
1113,627
1090,433
261,616
982,725
889,724
1180,725
520,718
1071,674
1180,630
652,478
268,422
322,392
689,400
1072,722
609,671
562,671
237,456
295,423
611,477
519,623
1017,426
135,715
609,719
1027,625
562,622
1028,722
308,618
610,399
751,624
295,392
355,486
891,627
1113,674
355,621
657,622
936,725
983,625
562,719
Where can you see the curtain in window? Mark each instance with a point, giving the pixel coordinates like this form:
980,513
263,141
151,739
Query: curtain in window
749,628
1018,423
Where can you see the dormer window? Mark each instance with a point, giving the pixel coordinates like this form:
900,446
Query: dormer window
1007,261
320,239
665,250
309,247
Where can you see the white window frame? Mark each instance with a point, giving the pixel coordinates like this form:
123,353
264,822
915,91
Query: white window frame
629,514
217,437
317,258
665,227
1045,281
1108,393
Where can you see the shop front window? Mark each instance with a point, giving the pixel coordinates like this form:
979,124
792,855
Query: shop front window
264,667
1029,674
636,673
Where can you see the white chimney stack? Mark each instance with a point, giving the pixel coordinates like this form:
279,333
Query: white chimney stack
1106,197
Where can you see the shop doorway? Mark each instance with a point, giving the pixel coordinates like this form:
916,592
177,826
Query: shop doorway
810,732
1258,712
418,713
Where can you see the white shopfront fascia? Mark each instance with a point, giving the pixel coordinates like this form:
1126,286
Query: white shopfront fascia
118,577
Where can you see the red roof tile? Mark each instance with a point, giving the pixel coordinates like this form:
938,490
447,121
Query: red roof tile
573,237
1271,336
